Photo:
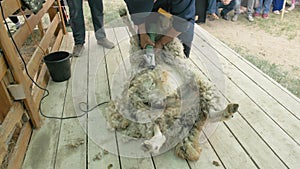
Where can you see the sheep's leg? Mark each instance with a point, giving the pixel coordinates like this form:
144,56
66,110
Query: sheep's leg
225,114
189,148
154,144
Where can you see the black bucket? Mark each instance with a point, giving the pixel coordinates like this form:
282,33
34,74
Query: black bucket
59,66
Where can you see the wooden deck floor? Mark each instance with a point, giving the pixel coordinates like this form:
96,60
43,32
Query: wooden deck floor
263,134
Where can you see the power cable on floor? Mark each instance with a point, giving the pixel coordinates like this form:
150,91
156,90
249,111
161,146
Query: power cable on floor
47,93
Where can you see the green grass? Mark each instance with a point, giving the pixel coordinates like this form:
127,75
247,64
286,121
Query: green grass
276,73
288,27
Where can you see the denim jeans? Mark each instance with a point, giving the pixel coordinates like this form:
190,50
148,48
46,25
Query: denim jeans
77,19
212,6
265,5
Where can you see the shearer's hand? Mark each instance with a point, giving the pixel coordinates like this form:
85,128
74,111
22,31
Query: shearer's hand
145,40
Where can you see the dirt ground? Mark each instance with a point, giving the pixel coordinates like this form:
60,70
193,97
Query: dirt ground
251,40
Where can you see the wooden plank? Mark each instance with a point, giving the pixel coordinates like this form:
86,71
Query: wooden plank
22,34
41,152
208,157
248,138
8,126
57,42
132,156
9,7
35,60
275,90
12,59
20,148
42,80
71,152
13,117
3,67
63,25
6,101
283,145
3,152
270,106
102,148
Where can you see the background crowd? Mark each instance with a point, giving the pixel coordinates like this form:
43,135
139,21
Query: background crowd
254,8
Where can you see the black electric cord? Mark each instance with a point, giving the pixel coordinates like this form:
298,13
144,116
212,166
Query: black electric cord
44,89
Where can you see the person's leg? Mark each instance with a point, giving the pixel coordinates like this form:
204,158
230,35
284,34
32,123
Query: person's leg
186,39
292,7
77,21
259,7
212,5
201,10
96,7
267,5
236,10
277,5
250,6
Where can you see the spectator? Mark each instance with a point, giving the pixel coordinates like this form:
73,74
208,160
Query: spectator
250,6
265,5
292,7
236,10
211,10
78,27
227,6
200,15
277,6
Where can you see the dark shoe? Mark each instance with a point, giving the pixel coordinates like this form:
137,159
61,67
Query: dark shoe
106,43
225,17
77,50
235,17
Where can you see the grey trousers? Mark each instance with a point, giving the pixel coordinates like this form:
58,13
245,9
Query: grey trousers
250,6
77,19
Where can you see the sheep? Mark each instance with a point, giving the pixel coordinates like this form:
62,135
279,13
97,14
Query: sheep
167,106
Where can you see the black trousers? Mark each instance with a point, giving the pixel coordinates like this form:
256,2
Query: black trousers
201,6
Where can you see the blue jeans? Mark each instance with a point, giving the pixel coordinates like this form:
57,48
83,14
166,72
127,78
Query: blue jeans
212,6
264,4
226,8
77,19
277,5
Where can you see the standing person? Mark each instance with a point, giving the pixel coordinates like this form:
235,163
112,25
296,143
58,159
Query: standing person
292,7
277,6
250,6
200,6
78,26
211,10
265,5
182,26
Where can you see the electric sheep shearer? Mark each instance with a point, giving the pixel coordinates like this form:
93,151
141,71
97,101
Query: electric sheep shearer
167,106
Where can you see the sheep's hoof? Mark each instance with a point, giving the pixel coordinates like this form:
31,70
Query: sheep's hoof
187,151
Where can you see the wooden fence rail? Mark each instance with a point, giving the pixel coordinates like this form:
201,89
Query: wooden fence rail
19,115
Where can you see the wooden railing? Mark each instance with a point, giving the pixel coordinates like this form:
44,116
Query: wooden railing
19,97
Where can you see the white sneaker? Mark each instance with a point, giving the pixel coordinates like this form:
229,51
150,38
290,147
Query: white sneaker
250,18
276,12
292,7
